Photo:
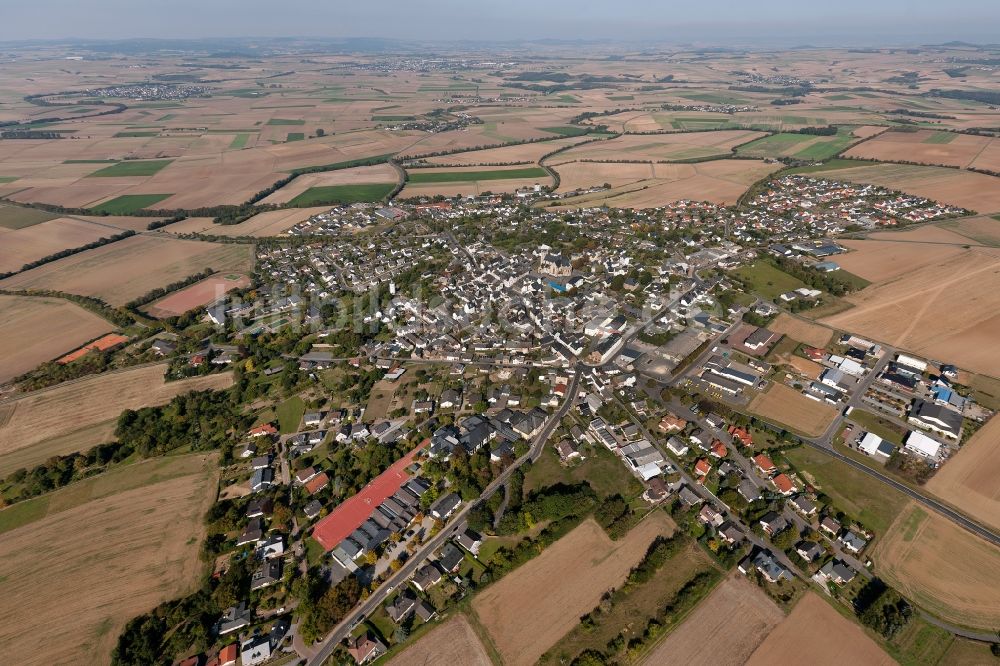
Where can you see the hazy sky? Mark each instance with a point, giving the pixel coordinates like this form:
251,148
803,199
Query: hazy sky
717,22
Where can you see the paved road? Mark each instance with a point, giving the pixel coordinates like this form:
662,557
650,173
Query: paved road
379,595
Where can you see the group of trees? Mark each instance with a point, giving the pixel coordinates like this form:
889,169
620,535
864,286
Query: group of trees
59,471
321,606
615,515
881,608
553,502
826,281
202,420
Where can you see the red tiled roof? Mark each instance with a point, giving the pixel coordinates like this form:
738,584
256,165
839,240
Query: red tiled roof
719,449
702,467
349,515
764,462
227,655
783,483
317,483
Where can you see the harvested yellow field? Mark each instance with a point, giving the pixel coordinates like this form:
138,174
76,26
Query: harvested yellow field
34,330
454,643
525,153
120,555
952,318
122,271
924,146
944,569
723,630
801,330
971,479
985,230
816,629
574,572
55,413
719,181
21,246
786,406
656,147
880,261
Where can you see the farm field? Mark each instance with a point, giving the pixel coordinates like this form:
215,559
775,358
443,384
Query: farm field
971,479
944,569
38,329
724,629
130,551
122,271
767,279
973,191
365,175
953,318
41,417
17,217
21,246
198,294
657,147
650,185
126,204
799,146
816,629
634,609
451,181
521,153
453,642
984,230
930,147
880,261
422,176
856,493
128,169
343,194
576,571
785,406
800,330
262,225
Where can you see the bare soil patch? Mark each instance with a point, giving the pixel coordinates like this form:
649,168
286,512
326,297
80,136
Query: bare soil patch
803,331
574,572
971,479
880,261
201,293
454,642
786,406
128,552
121,271
35,329
925,146
674,146
943,568
525,152
724,629
814,628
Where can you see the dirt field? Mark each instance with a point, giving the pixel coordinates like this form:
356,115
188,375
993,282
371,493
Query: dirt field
974,191
952,318
985,230
21,246
453,643
723,630
200,293
34,330
928,147
789,407
944,569
119,272
525,152
880,261
828,638
971,479
129,552
651,185
803,331
575,571
42,416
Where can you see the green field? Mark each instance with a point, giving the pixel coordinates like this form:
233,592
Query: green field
566,99
290,414
331,194
601,469
19,217
295,136
767,280
90,161
783,145
285,121
392,119
169,116
715,98
941,137
772,146
621,98
564,131
420,176
127,204
239,141
8,179
861,496
131,168
133,135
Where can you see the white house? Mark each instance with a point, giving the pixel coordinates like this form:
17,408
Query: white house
922,445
